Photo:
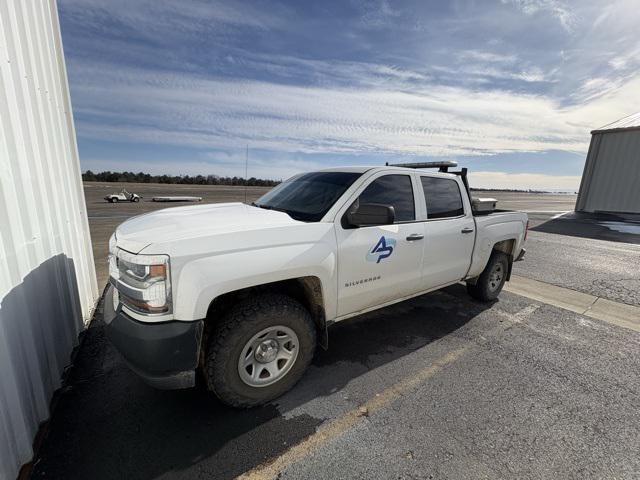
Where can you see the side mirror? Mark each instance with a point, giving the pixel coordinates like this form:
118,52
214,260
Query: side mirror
370,214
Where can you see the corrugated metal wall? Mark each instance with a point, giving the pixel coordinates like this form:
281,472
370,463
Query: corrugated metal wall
47,278
611,177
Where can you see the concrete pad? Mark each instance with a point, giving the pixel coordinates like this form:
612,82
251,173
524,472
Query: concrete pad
550,294
620,314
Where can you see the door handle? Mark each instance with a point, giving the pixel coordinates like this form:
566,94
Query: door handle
467,230
414,236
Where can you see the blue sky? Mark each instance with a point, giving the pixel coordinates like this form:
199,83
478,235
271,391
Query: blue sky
509,88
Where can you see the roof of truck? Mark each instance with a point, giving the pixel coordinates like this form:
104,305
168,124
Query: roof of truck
354,169
363,169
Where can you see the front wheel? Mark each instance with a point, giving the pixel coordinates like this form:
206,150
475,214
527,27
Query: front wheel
259,350
490,282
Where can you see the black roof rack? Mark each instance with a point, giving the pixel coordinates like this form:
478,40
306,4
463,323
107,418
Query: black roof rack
443,166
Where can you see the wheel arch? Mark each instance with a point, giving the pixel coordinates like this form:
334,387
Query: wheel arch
507,247
307,290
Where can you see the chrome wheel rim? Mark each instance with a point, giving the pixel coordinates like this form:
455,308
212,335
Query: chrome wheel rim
268,356
496,276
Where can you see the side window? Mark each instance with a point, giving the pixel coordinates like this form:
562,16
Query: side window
394,190
443,197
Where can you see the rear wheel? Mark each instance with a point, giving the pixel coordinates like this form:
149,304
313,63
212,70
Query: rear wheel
114,200
259,350
135,199
490,282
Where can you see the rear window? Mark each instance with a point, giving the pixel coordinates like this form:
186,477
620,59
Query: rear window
442,196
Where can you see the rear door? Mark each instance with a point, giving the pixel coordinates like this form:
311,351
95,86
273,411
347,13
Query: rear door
377,264
449,231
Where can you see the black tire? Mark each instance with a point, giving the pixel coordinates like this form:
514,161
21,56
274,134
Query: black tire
487,288
114,200
233,332
135,199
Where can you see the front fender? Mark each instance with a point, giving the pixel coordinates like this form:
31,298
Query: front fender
202,280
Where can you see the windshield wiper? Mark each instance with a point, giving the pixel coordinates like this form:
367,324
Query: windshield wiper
262,205
291,213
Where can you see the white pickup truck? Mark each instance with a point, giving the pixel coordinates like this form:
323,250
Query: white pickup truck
244,293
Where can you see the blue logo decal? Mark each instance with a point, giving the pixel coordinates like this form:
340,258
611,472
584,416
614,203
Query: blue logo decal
382,250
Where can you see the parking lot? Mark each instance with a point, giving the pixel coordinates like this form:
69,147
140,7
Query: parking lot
441,386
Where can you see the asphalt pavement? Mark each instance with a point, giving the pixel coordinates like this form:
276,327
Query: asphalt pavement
519,389
536,393
598,267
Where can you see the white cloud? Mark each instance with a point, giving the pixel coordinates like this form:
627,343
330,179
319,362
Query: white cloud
165,108
160,18
209,78
376,13
524,181
627,59
558,10
533,75
486,56
332,72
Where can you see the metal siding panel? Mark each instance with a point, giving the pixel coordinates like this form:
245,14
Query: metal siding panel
615,179
589,164
48,287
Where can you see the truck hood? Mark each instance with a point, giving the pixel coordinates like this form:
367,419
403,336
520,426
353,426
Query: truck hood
179,223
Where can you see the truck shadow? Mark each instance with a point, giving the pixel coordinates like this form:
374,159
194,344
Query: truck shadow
600,226
108,424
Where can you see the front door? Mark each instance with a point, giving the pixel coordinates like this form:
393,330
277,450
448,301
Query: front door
378,264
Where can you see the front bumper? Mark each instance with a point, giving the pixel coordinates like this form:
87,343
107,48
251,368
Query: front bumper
165,355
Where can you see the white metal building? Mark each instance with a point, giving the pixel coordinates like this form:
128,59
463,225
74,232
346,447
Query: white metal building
47,277
611,177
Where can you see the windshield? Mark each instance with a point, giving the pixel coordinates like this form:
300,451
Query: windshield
308,196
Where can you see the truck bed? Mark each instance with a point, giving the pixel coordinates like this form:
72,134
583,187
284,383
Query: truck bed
494,227
496,211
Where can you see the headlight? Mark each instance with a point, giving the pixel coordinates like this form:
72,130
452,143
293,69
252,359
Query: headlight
112,243
143,281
